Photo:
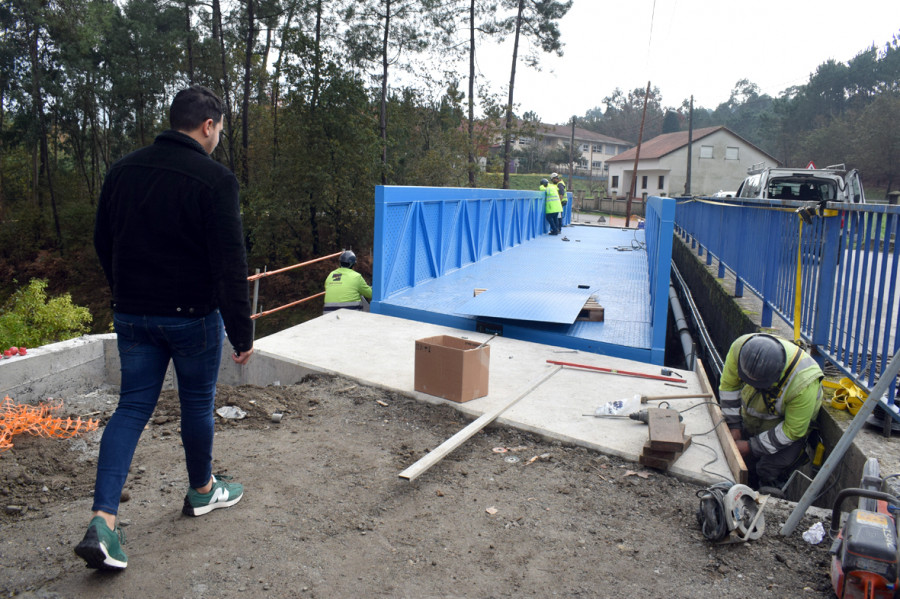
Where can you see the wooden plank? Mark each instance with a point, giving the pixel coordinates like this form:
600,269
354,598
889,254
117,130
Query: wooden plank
672,445
732,455
462,436
650,452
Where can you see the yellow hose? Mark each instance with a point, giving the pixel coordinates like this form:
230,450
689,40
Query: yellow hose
799,285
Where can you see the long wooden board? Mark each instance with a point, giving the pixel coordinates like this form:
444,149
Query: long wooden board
732,455
462,436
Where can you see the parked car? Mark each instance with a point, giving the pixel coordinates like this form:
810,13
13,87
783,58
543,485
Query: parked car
724,194
832,183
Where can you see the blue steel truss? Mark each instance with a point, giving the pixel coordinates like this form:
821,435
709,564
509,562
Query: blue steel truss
427,237
422,233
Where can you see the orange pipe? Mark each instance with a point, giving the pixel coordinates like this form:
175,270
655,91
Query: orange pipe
286,268
267,312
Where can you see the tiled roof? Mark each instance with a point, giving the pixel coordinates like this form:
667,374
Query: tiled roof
666,143
565,132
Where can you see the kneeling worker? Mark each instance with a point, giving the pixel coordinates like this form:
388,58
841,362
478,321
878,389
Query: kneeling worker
345,288
770,393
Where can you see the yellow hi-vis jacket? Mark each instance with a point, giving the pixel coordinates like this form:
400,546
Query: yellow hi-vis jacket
551,198
561,190
786,419
346,285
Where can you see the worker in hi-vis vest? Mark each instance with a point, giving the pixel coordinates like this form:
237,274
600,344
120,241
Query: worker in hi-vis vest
560,188
345,288
770,393
552,205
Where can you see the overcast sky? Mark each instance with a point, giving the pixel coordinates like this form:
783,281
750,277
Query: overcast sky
699,47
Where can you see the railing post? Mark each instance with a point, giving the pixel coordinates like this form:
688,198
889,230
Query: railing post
828,265
721,272
255,301
769,276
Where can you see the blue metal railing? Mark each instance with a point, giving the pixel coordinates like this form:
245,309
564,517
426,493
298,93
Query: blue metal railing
659,225
422,233
849,305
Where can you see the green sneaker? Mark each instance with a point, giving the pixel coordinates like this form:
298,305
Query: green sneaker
222,494
101,547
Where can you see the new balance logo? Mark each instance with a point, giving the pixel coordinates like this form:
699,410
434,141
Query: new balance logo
221,494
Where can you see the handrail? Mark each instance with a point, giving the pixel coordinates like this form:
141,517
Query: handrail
287,268
290,305
837,283
259,275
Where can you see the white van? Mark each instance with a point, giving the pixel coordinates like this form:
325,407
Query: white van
832,183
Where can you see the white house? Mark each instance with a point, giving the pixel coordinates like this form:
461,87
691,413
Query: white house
592,150
719,161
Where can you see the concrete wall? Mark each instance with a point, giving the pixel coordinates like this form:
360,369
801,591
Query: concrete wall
65,368
615,206
91,362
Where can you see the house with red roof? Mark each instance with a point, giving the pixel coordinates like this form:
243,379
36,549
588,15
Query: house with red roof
719,161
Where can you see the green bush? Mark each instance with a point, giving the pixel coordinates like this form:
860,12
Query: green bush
29,319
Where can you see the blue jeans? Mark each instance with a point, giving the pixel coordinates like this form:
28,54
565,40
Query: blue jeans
553,221
146,344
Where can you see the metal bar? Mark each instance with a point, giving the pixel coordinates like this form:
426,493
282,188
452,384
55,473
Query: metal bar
616,371
843,444
292,267
255,303
286,306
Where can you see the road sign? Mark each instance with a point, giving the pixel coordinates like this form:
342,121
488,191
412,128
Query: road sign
811,166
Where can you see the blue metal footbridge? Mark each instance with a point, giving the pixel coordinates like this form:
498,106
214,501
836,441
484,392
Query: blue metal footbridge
483,260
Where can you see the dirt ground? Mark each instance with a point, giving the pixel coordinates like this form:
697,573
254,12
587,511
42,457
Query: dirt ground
325,515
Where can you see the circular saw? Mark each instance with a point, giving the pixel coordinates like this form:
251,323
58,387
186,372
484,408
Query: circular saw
743,513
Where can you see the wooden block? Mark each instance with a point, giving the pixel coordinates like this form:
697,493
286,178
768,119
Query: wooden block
591,313
650,452
671,446
657,463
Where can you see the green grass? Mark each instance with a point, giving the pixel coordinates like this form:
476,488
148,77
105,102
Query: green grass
522,181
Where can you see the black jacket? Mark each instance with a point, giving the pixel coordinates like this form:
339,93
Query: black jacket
169,236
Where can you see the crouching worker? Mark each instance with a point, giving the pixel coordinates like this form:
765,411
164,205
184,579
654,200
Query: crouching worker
345,288
770,393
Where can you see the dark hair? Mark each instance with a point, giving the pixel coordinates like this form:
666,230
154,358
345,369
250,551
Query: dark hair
192,106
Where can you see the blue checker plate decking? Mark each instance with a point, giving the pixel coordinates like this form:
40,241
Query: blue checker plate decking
537,284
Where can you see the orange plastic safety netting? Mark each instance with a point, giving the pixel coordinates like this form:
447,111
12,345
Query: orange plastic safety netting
39,420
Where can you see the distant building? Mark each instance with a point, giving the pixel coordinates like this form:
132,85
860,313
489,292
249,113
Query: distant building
592,150
719,161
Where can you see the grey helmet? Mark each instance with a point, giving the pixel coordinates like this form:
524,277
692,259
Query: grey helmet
545,182
761,361
347,259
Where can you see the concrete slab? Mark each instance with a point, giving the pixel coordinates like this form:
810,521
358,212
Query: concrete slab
379,350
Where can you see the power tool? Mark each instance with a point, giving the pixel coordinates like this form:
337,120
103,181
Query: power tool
865,559
731,513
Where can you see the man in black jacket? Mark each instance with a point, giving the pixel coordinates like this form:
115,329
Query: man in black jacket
169,237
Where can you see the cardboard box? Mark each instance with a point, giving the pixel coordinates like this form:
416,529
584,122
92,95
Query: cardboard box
452,368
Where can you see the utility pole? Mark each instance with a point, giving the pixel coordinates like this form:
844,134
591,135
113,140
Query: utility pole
637,157
687,182
572,154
